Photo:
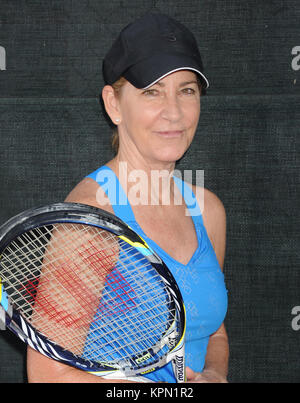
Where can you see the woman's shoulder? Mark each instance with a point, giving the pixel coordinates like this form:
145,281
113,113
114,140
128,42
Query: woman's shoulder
214,219
210,204
87,191
213,205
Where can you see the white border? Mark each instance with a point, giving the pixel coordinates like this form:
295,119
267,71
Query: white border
172,71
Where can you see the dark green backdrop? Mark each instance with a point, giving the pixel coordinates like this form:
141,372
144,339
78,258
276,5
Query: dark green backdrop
53,133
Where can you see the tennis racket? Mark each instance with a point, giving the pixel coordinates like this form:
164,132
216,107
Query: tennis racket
81,287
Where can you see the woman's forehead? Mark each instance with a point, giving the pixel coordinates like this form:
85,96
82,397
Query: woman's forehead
178,78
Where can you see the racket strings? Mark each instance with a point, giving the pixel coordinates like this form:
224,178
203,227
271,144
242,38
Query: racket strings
25,259
152,324
89,291
139,333
135,344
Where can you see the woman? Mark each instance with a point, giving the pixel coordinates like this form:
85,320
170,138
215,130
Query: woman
154,79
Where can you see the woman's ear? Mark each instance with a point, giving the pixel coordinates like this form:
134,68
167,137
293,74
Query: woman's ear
111,103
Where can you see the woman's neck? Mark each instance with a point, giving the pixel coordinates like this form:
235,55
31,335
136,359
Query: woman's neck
145,182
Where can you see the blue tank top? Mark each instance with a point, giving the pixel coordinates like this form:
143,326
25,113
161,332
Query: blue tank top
201,280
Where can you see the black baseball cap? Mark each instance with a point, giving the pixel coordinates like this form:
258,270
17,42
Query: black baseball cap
149,49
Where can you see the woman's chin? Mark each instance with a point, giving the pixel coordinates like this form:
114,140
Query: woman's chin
170,156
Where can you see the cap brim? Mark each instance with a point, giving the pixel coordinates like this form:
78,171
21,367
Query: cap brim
149,71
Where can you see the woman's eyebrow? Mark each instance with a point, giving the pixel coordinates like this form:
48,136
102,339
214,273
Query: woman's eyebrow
188,82
180,85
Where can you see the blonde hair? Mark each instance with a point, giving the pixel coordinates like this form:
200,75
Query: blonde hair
117,86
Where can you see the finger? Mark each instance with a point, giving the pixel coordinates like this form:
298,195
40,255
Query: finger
190,374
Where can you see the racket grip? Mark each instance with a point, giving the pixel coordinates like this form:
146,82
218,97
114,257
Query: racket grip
178,364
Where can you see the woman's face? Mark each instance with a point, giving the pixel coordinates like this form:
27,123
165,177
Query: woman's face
160,122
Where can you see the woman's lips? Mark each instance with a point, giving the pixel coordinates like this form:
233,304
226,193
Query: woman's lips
170,133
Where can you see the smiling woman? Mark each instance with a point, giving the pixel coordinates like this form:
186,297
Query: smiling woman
119,84
168,110
154,79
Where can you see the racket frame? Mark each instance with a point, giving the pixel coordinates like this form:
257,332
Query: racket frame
77,213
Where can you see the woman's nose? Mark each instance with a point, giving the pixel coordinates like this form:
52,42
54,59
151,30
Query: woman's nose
172,110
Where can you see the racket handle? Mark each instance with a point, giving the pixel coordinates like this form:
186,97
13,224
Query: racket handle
178,364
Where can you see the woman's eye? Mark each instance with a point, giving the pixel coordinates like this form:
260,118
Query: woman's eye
150,92
189,91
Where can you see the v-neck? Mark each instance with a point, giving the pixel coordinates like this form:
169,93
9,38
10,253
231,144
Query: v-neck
161,252
124,210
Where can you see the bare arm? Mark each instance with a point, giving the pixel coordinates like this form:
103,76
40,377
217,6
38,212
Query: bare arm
216,362
41,369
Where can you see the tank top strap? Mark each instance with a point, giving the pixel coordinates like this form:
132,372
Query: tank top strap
190,200
110,184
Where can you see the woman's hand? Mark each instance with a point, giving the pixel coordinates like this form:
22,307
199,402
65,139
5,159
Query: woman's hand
206,376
